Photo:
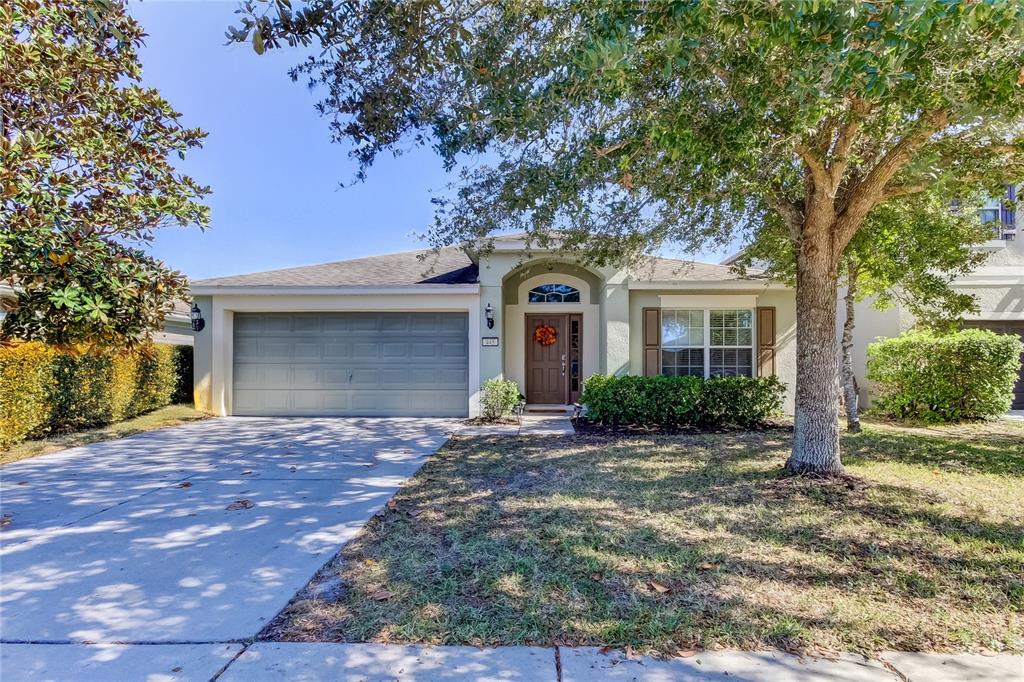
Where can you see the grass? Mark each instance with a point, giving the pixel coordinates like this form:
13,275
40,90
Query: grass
172,415
675,542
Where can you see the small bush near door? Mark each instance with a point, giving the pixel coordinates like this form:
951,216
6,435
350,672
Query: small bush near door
682,401
965,375
499,399
45,391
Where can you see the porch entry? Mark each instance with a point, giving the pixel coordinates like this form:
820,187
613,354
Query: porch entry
553,370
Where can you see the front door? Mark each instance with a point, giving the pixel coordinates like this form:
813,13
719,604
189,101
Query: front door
553,371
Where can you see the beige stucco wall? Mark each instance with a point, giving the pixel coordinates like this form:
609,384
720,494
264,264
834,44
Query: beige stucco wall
783,300
202,363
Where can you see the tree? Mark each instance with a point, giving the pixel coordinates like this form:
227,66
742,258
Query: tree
627,125
909,251
86,177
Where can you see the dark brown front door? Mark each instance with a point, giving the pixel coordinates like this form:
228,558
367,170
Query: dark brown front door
1007,327
547,366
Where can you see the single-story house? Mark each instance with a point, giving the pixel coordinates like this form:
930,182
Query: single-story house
418,333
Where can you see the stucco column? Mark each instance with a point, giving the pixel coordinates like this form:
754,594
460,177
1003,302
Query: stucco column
202,358
615,327
491,356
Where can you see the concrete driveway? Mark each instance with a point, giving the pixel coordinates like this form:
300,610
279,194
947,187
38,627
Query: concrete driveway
196,534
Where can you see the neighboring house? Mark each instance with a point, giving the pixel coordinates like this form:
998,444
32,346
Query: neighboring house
417,333
998,287
176,329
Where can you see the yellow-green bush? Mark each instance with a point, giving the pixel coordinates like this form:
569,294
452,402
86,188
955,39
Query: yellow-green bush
26,382
45,391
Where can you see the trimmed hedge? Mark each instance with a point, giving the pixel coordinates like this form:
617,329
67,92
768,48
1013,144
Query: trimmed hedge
683,401
45,391
965,375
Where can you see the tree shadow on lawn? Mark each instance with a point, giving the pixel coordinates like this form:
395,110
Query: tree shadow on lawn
999,452
664,543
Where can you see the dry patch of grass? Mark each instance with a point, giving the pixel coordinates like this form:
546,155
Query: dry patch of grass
684,541
172,415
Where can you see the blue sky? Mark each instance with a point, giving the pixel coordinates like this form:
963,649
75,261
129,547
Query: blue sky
276,177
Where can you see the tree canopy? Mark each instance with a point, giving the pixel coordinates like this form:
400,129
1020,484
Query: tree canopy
86,176
628,125
910,251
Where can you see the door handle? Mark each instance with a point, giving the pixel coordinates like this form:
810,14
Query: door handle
563,364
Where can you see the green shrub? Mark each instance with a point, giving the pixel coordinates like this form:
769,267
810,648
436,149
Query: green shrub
961,376
682,401
44,390
500,396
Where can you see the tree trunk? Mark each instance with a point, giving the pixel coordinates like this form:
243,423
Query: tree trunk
816,423
850,398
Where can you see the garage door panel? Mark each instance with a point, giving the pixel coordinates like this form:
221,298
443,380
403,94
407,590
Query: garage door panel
366,364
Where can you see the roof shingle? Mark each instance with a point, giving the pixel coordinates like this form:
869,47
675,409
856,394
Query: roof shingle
450,265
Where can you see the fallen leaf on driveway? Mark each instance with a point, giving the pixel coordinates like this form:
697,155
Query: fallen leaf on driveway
686,653
185,484
655,586
605,649
247,472
240,504
382,595
6,520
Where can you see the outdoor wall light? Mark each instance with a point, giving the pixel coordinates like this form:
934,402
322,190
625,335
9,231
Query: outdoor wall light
197,318
489,314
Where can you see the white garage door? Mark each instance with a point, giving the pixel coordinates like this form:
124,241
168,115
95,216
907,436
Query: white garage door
351,364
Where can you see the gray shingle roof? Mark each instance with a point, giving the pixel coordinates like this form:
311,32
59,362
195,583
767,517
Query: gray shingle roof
450,265
672,270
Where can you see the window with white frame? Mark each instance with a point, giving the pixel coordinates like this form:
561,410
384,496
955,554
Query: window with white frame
707,342
682,343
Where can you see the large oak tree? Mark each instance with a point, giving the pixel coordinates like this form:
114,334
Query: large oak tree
629,125
86,176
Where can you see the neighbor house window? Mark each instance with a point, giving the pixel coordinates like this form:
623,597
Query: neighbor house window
554,293
682,343
707,343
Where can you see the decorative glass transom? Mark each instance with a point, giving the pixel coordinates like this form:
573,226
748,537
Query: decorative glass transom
554,293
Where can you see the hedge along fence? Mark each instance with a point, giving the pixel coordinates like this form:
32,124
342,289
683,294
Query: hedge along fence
962,376
683,401
45,391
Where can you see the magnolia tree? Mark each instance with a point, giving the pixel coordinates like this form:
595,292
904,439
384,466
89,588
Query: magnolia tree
86,176
909,251
627,125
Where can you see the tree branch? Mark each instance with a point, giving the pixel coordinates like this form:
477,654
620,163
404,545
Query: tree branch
819,174
859,109
870,190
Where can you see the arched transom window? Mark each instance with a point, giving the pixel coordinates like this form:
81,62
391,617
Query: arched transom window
554,293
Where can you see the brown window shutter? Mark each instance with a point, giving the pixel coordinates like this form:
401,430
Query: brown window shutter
652,342
766,341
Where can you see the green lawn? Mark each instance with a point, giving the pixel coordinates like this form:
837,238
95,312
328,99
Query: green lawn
171,415
673,542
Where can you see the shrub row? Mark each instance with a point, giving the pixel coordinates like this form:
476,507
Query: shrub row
962,376
682,401
45,391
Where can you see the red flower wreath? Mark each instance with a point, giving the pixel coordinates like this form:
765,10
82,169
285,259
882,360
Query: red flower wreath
545,334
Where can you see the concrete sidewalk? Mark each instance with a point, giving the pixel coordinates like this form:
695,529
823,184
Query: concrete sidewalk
303,662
